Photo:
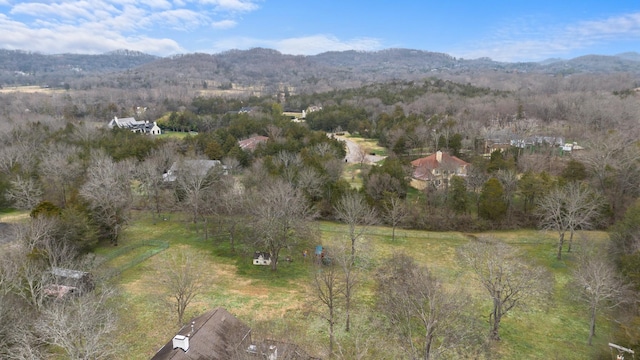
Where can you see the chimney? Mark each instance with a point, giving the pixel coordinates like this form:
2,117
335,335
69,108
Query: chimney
182,342
273,353
439,156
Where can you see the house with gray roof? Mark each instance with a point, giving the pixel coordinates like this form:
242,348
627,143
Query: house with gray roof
215,334
200,167
137,126
218,335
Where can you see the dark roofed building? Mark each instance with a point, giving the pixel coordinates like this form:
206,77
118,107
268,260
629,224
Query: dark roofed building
278,350
214,335
81,280
218,335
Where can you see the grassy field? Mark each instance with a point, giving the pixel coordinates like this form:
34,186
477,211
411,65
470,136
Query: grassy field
279,301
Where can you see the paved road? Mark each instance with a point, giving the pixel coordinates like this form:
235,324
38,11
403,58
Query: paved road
353,151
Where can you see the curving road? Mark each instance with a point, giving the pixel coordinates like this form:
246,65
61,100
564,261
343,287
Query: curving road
354,150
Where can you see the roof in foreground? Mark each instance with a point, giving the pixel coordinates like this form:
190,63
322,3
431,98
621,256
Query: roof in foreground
217,334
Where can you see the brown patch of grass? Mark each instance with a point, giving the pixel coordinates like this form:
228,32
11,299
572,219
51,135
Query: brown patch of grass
31,89
15,217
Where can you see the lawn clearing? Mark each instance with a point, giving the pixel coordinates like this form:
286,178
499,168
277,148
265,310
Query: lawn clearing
280,302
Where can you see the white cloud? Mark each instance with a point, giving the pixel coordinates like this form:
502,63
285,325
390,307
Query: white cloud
224,24
180,19
90,40
308,45
311,45
157,4
232,5
627,25
518,43
68,10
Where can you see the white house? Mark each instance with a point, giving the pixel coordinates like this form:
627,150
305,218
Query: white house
261,258
134,125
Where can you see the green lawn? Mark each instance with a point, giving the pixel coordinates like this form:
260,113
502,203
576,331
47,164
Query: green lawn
279,301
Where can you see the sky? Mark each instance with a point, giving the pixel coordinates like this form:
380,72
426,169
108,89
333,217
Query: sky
503,30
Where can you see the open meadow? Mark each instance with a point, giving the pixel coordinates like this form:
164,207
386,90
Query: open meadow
280,303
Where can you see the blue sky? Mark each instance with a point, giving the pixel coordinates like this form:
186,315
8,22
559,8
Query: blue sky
512,30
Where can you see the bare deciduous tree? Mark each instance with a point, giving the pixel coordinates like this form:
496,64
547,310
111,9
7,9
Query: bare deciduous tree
327,288
281,217
509,181
597,283
613,162
359,154
108,190
61,167
395,212
196,182
311,182
341,256
25,193
181,280
289,164
150,174
476,178
567,209
82,326
425,316
506,277
232,205
353,210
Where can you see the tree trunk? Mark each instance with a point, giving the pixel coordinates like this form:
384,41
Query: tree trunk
560,244
592,325
353,251
274,261
232,230
331,334
206,229
427,347
348,313
494,320
570,240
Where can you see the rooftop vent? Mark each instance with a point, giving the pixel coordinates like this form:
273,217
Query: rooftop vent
182,342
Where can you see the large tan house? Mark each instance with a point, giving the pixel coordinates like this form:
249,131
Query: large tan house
436,170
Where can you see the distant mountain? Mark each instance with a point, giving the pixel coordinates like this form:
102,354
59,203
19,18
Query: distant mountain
550,61
596,64
269,70
634,56
16,60
22,67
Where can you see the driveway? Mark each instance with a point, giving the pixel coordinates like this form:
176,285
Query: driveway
354,152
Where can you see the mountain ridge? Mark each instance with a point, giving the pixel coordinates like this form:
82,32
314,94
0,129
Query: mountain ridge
270,68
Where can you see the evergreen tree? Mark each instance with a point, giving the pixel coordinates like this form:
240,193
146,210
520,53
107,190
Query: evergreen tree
458,200
492,204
